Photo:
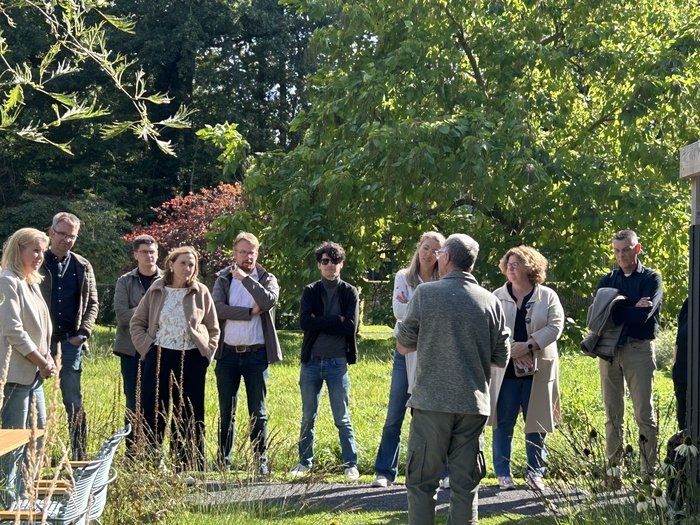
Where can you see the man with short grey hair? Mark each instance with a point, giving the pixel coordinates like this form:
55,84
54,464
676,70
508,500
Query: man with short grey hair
70,292
634,361
458,330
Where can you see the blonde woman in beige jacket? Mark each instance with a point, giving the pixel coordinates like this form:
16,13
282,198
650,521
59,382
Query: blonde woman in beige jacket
176,331
535,318
25,334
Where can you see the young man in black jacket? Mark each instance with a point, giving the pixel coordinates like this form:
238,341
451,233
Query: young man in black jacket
329,317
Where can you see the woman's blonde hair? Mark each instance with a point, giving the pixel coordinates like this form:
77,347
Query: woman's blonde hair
534,262
414,268
172,257
12,252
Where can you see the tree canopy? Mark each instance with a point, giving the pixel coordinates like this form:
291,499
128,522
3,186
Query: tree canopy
552,123
239,61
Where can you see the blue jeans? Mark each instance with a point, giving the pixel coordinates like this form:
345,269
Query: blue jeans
387,461
17,413
70,375
334,371
252,367
514,394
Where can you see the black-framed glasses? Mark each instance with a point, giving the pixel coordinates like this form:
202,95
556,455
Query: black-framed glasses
325,261
65,235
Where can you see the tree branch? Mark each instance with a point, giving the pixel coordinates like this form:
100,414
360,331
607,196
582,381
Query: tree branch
513,226
462,41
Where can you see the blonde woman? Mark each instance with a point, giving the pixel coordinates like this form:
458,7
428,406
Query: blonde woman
25,339
176,332
535,318
423,268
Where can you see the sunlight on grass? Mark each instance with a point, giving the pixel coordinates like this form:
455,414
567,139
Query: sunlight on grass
370,378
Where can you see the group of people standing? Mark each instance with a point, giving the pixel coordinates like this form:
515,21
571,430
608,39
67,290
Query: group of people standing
465,357
169,329
482,358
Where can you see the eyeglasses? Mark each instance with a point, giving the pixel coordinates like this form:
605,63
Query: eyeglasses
66,236
513,265
439,252
326,261
246,253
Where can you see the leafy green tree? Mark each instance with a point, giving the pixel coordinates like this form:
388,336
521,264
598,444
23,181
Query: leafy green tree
551,123
227,60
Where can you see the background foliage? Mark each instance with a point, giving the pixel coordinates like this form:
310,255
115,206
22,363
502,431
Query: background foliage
550,123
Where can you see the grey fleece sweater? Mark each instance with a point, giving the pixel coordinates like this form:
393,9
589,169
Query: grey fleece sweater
459,331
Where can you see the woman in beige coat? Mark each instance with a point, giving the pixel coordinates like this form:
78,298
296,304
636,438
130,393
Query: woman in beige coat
25,333
536,320
176,332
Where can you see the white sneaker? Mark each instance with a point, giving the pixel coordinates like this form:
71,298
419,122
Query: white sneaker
381,481
445,483
506,483
352,473
299,470
535,482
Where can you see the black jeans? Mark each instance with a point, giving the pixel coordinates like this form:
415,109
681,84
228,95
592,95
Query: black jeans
174,380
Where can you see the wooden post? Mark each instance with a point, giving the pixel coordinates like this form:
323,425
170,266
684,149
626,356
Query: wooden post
690,169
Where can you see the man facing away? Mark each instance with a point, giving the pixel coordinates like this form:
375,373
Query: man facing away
329,317
634,361
458,330
128,292
245,295
71,294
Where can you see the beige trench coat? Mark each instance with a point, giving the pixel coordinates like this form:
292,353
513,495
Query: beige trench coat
545,323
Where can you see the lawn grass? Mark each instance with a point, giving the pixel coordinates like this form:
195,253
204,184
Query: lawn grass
370,377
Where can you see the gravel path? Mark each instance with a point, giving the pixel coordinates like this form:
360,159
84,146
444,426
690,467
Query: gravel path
348,497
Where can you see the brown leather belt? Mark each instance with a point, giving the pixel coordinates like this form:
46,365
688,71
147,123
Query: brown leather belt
242,349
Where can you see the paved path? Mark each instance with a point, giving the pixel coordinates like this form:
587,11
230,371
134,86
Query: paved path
354,496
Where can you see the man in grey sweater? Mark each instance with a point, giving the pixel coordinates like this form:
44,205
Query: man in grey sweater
459,330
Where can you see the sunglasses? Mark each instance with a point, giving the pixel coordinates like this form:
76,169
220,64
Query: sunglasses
326,261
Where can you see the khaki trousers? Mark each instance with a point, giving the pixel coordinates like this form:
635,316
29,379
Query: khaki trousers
434,437
633,364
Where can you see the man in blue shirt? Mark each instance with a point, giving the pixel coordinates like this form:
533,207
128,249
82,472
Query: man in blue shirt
70,292
634,361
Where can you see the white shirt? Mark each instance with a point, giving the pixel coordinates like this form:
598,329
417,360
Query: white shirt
243,332
400,309
173,332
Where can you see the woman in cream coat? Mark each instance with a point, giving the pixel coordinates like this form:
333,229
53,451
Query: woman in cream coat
25,334
175,330
536,320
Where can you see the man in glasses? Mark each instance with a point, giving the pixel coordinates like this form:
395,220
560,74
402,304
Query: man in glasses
128,292
70,292
458,330
245,295
329,317
634,361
